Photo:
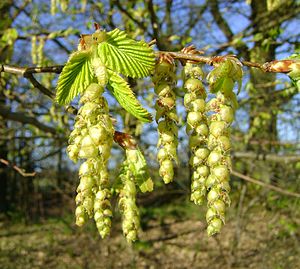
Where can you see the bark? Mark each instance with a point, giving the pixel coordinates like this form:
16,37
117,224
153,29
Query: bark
4,176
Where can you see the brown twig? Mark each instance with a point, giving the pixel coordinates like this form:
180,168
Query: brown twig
18,169
265,185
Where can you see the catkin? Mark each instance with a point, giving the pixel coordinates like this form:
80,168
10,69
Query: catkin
127,205
92,139
194,101
218,161
164,80
33,49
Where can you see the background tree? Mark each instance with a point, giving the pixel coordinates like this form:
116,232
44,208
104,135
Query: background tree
34,129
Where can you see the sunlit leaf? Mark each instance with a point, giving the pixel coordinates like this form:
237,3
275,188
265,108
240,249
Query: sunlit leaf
75,77
122,92
125,55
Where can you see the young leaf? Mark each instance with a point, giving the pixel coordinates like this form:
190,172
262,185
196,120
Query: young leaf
122,92
76,75
223,77
125,55
138,167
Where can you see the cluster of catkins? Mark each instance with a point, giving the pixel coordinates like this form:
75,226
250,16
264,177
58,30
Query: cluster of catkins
208,127
92,140
210,137
164,80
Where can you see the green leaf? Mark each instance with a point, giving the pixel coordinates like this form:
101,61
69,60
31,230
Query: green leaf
138,167
223,76
125,55
122,92
75,77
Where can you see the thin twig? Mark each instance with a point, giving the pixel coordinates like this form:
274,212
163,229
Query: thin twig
18,169
266,185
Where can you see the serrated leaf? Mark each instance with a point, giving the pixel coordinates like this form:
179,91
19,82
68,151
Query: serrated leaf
125,96
125,55
75,77
138,167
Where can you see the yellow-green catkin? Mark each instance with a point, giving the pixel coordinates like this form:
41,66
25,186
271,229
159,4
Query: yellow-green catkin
92,140
34,49
128,207
40,51
197,128
53,7
218,161
164,80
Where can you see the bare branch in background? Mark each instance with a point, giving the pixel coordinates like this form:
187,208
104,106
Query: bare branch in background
265,185
21,171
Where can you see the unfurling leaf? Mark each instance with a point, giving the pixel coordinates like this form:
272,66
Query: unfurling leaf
125,55
75,77
223,77
138,167
122,92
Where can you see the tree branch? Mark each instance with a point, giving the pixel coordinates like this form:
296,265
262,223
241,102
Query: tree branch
16,168
21,117
267,157
266,185
221,22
